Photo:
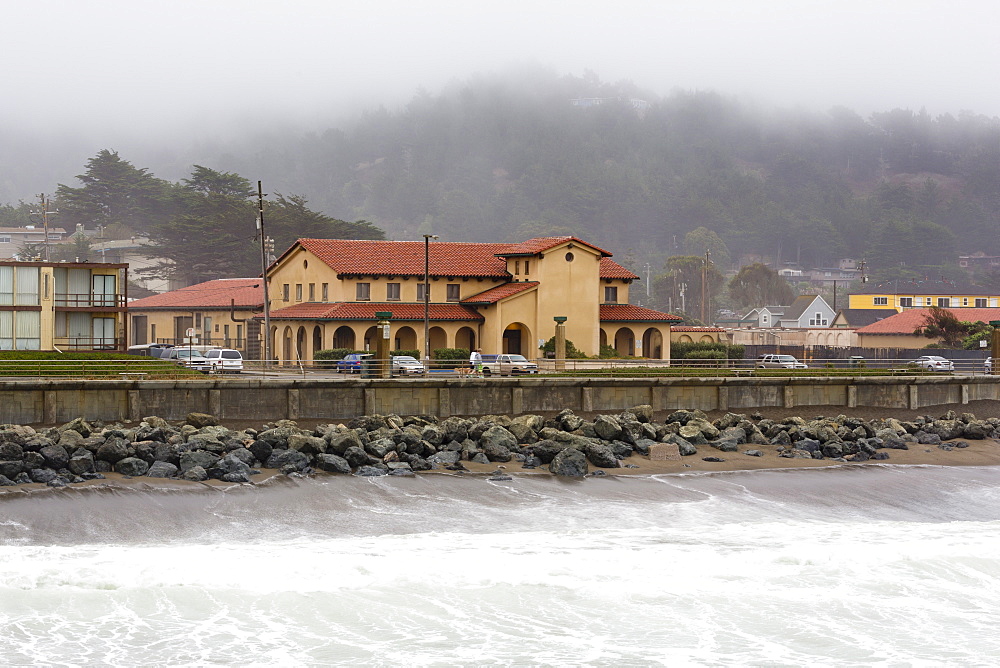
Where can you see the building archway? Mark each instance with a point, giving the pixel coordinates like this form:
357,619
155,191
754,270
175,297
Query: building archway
466,338
517,339
603,340
438,338
300,344
625,341
652,344
286,346
317,342
705,338
343,337
369,338
406,338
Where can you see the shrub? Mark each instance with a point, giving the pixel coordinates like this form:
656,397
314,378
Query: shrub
706,355
685,349
571,350
451,354
607,352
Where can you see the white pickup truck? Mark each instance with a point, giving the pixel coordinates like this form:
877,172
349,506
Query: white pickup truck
507,365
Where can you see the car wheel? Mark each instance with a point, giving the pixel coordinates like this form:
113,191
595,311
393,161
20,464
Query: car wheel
487,372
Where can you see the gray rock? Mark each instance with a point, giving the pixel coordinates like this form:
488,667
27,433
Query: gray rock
190,459
195,474
113,450
642,412
607,428
356,457
569,462
307,445
162,469
132,466
522,433
199,420
568,420
445,457
371,471
753,453
81,462
599,454
497,443
43,475
725,446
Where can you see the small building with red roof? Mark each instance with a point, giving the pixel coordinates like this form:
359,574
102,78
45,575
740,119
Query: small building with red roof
897,331
221,312
500,297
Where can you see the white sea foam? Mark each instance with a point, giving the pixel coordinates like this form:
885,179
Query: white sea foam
882,566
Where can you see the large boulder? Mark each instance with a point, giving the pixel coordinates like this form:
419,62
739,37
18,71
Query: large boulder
199,420
161,469
642,412
309,445
132,466
340,442
11,451
356,457
288,461
607,428
332,463
569,421
192,458
497,443
81,461
569,462
601,455
113,450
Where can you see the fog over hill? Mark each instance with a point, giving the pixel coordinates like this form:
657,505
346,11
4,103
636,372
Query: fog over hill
797,131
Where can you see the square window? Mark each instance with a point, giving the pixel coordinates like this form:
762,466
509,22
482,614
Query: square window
312,292
610,294
364,291
980,303
454,292
420,293
906,301
298,292
944,302
881,301
326,292
392,292
285,292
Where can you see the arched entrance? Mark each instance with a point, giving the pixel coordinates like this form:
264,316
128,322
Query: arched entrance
652,344
286,346
517,340
343,337
438,337
317,343
466,338
406,338
603,341
625,341
370,335
273,343
300,344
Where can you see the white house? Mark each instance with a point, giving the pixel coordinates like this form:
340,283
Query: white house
763,316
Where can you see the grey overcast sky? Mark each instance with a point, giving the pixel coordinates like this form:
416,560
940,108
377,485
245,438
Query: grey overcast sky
138,67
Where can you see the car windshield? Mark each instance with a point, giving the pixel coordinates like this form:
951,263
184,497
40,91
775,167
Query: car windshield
517,358
192,354
785,358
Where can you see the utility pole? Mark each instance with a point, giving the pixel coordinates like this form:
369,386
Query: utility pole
427,300
647,282
704,285
45,224
263,266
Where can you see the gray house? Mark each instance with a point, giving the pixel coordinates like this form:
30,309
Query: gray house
807,311
762,316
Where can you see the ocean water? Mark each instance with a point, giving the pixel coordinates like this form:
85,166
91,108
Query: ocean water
857,566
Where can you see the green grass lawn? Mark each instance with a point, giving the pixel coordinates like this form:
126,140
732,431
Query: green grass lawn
24,363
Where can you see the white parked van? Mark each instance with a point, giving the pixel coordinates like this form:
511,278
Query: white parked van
224,360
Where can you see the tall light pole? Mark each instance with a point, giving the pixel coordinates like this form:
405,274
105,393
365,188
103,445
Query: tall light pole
427,299
263,266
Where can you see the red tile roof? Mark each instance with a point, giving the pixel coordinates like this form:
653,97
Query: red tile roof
681,328
540,244
611,269
245,292
367,310
632,313
907,321
494,295
406,258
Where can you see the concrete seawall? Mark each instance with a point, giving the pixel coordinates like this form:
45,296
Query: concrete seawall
54,401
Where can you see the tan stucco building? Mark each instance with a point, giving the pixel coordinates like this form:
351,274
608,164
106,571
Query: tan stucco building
500,297
64,306
220,311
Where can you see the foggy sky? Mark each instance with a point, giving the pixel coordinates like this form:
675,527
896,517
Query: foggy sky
119,70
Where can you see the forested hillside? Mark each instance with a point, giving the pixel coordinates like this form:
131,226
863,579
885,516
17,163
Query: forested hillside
512,157
507,157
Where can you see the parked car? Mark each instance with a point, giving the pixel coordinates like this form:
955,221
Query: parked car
192,359
779,362
224,360
934,363
149,349
507,365
403,365
352,362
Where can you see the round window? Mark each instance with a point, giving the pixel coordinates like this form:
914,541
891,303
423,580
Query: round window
305,264
569,257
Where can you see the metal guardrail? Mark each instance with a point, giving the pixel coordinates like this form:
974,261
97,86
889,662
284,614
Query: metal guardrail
142,367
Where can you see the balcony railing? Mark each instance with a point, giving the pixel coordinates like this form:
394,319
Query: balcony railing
89,301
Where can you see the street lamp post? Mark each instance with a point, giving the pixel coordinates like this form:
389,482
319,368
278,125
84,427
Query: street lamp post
427,299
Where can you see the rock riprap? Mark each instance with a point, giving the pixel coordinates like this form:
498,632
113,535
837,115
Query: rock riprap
373,445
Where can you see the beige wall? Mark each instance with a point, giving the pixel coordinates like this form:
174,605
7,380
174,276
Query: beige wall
163,321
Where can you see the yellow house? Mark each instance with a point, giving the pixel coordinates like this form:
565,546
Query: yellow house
64,306
500,297
220,312
900,295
